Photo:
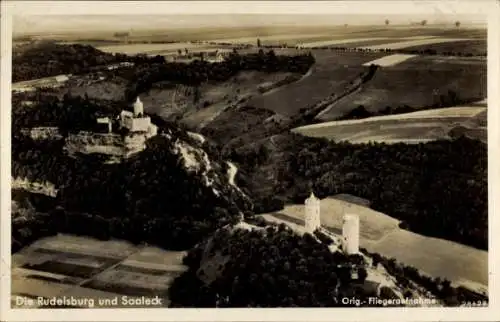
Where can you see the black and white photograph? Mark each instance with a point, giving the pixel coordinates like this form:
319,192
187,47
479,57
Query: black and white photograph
248,160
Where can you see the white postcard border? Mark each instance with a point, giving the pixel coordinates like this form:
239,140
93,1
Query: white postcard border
489,8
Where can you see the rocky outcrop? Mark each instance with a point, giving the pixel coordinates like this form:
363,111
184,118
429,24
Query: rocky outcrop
46,188
111,144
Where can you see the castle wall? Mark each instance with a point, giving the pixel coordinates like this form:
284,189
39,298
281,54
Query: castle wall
140,124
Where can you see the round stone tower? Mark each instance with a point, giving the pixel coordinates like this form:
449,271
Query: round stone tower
350,234
312,216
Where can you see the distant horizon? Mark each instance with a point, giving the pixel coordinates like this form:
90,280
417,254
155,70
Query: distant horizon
81,24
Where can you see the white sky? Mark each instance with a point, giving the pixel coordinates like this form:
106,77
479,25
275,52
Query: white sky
74,23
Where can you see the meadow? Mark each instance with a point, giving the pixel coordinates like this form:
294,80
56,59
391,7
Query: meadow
416,127
472,46
332,72
390,60
411,43
419,82
435,257
132,49
179,101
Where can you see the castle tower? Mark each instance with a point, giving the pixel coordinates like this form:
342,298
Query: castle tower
350,234
312,216
138,108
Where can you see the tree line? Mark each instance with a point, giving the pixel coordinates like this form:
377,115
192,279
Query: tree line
51,59
198,71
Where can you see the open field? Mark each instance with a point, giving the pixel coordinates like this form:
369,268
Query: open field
357,40
276,35
270,39
83,267
476,66
476,46
234,122
332,72
173,101
53,81
436,257
380,233
132,49
390,60
416,127
160,40
332,42
414,42
417,82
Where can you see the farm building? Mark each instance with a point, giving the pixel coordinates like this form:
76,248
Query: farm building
105,123
215,57
116,66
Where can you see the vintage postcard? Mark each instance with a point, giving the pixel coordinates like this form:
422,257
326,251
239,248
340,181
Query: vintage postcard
250,161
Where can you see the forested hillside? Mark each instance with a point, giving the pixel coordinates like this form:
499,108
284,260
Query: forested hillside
139,199
51,59
272,266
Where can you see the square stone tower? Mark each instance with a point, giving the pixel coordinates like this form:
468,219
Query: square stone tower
312,215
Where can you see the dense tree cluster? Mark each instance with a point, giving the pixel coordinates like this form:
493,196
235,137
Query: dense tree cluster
198,71
271,267
140,199
29,218
70,114
51,59
437,188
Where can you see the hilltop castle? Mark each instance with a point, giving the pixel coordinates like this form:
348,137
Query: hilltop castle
138,128
134,122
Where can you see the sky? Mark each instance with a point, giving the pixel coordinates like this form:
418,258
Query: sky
37,24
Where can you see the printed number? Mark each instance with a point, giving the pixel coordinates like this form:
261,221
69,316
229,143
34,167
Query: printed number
475,304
